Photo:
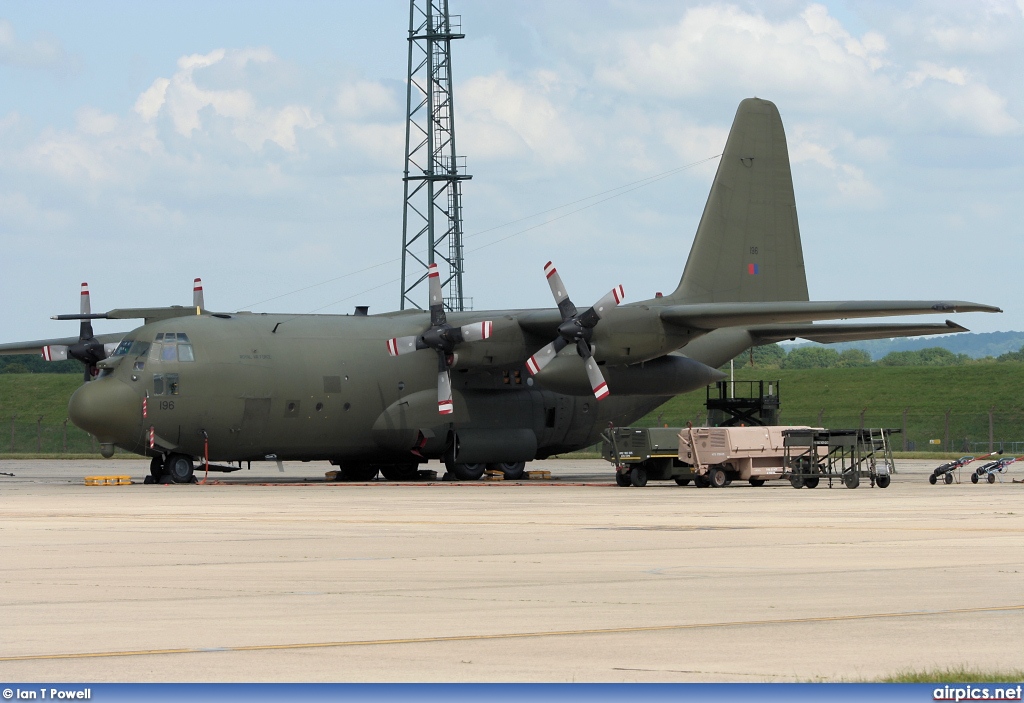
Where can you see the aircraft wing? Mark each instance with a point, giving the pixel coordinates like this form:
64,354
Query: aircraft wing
709,316
827,334
36,347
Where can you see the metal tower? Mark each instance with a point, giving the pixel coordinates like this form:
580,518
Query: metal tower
432,217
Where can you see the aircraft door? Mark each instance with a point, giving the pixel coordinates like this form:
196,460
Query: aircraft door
255,418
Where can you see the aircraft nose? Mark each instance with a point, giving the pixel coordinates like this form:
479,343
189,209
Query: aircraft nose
107,408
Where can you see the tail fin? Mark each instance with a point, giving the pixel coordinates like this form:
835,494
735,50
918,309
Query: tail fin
747,247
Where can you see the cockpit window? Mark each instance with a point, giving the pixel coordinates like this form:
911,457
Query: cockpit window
171,346
123,347
139,348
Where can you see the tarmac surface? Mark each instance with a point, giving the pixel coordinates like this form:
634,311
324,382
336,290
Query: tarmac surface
261,576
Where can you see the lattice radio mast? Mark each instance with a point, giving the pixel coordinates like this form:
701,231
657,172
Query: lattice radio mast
432,217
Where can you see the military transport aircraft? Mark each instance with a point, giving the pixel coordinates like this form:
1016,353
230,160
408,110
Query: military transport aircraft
385,393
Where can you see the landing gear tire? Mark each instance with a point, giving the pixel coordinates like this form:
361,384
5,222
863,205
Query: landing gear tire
974,478
796,481
466,472
682,482
883,481
756,482
156,468
622,479
400,472
851,479
717,478
932,480
638,477
180,468
513,470
948,478
811,482
357,473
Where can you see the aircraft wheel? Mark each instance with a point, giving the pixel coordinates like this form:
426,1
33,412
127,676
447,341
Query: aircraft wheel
851,479
180,468
811,482
756,482
467,472
682,482
622,479
883,481
991,478
513,470
974,478
796,481
400,472
717,477
156,468
638,477
932,480
948,478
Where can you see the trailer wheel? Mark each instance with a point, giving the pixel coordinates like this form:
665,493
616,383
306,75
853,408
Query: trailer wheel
811,482
796,481
991,478
638,477
974,478
851,479
948,478
622,479
883,481
717,477
701,481
931,479
682,482
756,482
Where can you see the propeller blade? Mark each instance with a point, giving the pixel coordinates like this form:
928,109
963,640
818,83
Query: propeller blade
437,316
403,345
477,331
565,305
86,307
543,357
445,406
197,294
597,381
55,352
590,317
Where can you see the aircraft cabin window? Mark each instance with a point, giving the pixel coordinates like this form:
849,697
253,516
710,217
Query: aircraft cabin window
159,337
139,349
170,352
158,384
172,384
154,351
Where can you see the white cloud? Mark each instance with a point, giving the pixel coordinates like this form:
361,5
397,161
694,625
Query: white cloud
43,53
505,118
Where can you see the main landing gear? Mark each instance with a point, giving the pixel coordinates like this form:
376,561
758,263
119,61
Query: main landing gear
174,468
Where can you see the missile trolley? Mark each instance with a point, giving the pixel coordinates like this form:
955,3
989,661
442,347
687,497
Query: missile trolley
992,468
950,471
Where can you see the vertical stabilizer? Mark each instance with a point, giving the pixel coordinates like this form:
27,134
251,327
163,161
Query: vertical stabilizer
747,247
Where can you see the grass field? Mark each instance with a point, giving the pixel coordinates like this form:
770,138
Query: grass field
830,397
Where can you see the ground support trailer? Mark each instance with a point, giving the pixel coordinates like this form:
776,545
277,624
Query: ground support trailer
721,455
845,456
640,454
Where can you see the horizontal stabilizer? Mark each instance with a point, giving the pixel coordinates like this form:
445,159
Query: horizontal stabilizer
708,316
831,333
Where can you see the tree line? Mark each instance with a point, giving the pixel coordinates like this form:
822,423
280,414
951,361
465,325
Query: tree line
775,356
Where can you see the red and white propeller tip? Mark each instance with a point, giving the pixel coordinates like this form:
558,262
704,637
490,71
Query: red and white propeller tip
597,382
85,307
197,294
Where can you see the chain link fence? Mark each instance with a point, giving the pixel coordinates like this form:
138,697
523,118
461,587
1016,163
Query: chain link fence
26,436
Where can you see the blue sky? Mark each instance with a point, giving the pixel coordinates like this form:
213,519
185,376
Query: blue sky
260,146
